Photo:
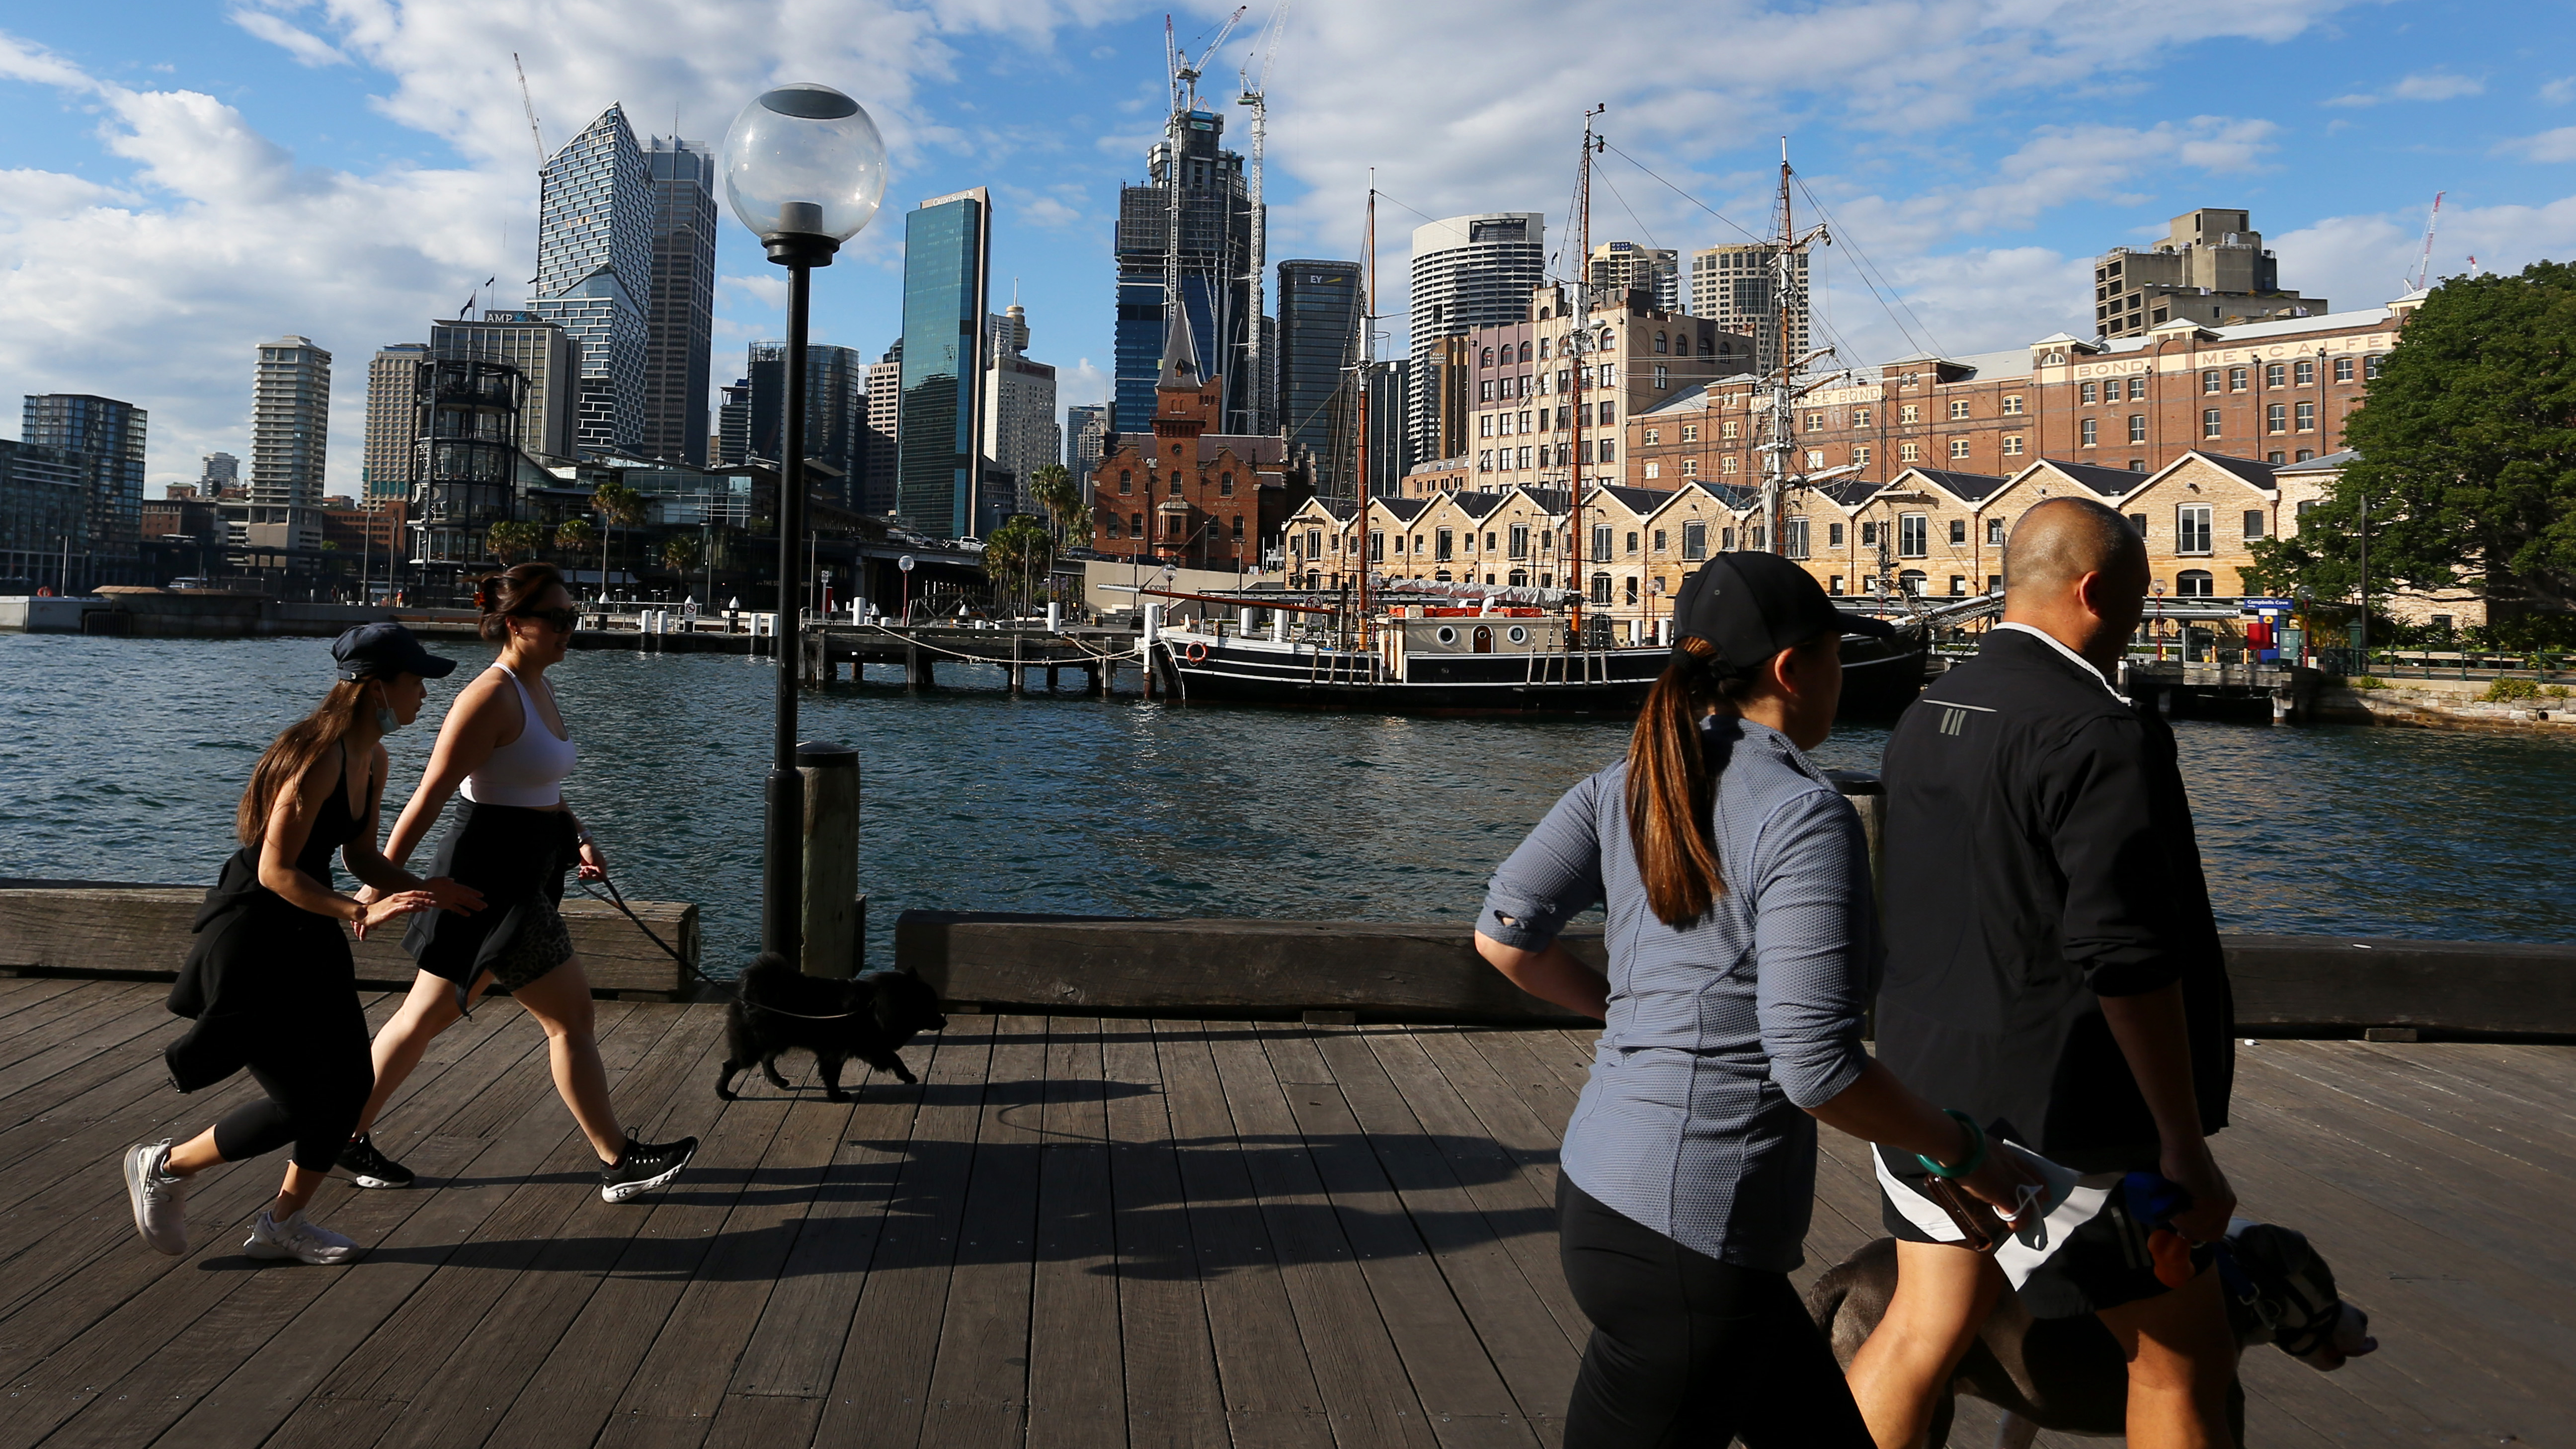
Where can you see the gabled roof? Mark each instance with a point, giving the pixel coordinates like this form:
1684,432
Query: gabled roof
2108,482
1405,509
2257,474
1966,487
2334,462
1639,501
1849,493
1689,399
1478,505
1336,508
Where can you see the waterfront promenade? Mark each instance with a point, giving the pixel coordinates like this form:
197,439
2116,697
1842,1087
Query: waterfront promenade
1093,1232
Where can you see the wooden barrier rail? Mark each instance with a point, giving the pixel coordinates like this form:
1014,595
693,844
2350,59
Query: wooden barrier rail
1429,971
93,928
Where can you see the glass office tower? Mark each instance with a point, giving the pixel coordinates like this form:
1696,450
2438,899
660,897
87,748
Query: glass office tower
1319,338
679,327
595,273
1214,270
947,264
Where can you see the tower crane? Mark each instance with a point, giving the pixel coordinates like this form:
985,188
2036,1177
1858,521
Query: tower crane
529,103
1255,84
2424,268
1185,71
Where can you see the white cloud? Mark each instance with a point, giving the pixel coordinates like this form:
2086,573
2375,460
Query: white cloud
2436,86
2558,145
1083,383
307,48
2363,261
2560,91
769,292
23,60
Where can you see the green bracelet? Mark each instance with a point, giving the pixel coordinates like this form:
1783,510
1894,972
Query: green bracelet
1976,1147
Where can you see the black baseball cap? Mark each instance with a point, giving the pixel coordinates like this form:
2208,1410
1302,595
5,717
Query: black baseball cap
1753,605
381,651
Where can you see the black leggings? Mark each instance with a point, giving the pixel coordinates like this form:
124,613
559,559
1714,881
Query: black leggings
317,1083
1687,1350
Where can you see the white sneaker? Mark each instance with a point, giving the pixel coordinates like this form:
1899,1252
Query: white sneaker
160,1200
298,1239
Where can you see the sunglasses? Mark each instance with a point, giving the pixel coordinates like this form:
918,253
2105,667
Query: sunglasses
561,619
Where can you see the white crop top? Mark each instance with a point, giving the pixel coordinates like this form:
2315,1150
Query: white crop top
528,771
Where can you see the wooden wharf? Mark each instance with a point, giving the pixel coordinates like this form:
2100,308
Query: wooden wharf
1085,1231
1093,653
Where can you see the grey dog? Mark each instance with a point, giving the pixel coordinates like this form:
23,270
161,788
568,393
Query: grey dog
2066,1374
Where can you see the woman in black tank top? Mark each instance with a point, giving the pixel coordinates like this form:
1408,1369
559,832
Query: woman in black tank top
269,983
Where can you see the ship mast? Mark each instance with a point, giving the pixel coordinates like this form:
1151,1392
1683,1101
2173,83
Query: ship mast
1780,390
1368,365
1581,337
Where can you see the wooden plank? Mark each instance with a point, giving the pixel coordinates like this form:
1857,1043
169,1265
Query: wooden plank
979,1381
1172,1399
1077,1393
1267,1380
881,1385
1501,1311
67,1045
31,1021
1357,1367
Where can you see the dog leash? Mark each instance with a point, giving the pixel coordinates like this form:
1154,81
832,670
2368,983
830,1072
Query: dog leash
617,898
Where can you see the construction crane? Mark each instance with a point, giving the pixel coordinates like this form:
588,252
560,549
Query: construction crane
2424,268
1255,85
1185,71
529,104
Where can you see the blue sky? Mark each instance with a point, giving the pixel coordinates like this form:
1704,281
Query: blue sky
185,180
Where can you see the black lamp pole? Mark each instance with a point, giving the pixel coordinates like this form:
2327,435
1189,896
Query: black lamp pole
782,918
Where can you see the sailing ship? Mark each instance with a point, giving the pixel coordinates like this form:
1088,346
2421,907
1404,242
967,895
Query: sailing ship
1415,646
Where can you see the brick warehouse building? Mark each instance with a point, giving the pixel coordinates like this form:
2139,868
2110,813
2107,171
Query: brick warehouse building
2278,392
1184,492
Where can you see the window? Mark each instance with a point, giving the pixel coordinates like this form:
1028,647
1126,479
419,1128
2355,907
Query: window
1659,343
1913,535
1609,414
2012,406
1238,528
1663,377
1489,542
2138,521
2276,375
1609,451
1994,533
2194,584
2092,431
1659,540
1520,540
1524,422
1175,489
1958,586
1601,589
2307,416
1654,470
1136,525
1869,534
1908,414
1860,417
1126,481
2237,379
1225,485
2306,454
2343,369
1833,535
1484,425
1726,465
1546,544
2276,418
1632,591
2012,445
1958,533
1525,356
1694,540
1860,454
2306,372
1727,430
2191,528
1485,389
1815,459
1690,432
1690,467
1835,587
1485,460
1523,454
2138,388
1446,541
1654,436
1958,447
1601,541
1909,452
1959,408
2253,524
1486,359
2209,381
2212,423
1377,546
1314,543
1117,528
2137,427
1815,422
1793,537
2086,393
1632,540
1911,581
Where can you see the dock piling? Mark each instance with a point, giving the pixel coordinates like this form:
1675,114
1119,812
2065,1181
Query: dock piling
831,908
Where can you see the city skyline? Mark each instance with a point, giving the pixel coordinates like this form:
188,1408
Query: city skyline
2022,153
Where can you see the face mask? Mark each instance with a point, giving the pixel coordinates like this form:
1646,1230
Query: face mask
386,723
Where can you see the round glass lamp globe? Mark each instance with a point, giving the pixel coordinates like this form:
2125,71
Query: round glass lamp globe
804,160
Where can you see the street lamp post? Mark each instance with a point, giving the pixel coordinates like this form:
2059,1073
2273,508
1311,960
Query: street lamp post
804,171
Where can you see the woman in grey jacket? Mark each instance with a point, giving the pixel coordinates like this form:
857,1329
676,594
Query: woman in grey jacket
1743,943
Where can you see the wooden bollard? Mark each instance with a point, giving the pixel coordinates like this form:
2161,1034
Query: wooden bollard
831,774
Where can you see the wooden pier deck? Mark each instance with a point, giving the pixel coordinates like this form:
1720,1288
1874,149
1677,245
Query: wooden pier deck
1085,1232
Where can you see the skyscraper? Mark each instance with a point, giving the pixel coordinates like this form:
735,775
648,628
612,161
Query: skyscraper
549,364
218,474
1020,432
393,384
1391,394
1319,339
1621,265
290,425
835,412
733,423
679,326
595,273
1731,285
947,264
1213,267
1086,429
884,429
102,439
1468,272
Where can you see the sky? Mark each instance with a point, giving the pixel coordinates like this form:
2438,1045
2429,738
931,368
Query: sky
182,181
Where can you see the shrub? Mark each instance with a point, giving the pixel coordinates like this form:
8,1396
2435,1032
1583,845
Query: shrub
2367,681
2506,689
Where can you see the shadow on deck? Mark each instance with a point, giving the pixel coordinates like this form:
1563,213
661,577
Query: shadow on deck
1090,1232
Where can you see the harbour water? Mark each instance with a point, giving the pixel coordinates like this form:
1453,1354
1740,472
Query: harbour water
123,759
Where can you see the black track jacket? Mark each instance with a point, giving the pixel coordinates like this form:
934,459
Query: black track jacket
2039,856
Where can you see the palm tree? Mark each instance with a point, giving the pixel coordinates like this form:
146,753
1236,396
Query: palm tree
680,552
574,534
1020,547
509,538
1052,485
620,507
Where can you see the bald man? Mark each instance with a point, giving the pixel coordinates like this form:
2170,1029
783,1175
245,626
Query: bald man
2054,971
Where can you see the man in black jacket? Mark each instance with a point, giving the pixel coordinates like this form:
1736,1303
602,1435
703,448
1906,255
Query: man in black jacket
2054,972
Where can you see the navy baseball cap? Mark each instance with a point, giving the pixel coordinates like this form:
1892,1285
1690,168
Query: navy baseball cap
381,651
1753,605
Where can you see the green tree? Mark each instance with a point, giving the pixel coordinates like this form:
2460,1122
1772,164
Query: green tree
618,507
1052,485
511,539
574,534
1017,552
680,552
2467,469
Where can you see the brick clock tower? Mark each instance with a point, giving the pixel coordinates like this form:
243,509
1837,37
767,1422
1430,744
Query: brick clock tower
1184,493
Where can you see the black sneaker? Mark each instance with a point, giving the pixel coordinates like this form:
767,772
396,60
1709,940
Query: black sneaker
372,1168
646,1165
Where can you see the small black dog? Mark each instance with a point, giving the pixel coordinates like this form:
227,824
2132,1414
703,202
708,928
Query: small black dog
777,1008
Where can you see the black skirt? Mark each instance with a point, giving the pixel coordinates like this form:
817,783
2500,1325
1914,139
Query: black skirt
518,859
262,970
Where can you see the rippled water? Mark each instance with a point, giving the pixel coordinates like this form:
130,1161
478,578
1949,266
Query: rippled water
122,760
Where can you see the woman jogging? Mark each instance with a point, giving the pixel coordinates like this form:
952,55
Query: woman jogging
505,744
270,983
1742,943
